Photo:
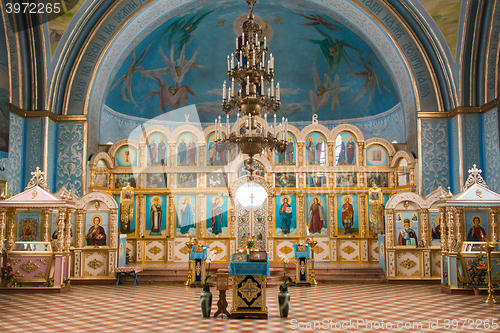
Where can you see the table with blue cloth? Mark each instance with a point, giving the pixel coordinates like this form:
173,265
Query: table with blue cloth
302,254
249,288
197,256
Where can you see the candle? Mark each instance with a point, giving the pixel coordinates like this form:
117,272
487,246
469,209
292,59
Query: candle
227,125
248,85
278,91
265,42
215,133
265,124
241,58
272,87
263,60
232,61
237,46
232,85
268,66
275,121
249,124
269,92
224,90
228,63
262,85
253,58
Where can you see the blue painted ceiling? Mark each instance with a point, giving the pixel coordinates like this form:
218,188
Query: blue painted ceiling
302,40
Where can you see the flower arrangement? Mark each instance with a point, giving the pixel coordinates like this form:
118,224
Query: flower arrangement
7,275
477,271
250,244
285,260
284,285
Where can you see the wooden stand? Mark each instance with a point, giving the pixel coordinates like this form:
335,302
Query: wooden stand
222,305
249,297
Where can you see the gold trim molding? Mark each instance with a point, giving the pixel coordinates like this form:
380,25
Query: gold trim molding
41,114
459,110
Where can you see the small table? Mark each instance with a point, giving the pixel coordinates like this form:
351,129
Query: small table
302,253
124,271
249,288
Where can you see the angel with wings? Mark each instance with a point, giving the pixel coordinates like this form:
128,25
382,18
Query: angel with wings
321,96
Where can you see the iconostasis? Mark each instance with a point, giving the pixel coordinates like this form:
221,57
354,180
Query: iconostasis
182,186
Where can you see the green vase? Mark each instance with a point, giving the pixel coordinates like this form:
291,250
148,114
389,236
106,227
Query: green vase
206,301
284,303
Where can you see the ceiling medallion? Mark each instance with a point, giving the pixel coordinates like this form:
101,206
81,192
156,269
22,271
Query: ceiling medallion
246,67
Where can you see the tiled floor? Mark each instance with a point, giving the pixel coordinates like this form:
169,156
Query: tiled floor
164,308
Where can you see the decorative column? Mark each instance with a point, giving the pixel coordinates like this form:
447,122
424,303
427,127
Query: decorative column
362,215
300,150
140,218
493,213
172,154
458,223
331,214
389,216
202,148
46,236
201,216
113,242
79,229
3,217
444,229
232,224
142,150
11,212
68,224
171,216
361,179
361,154
424,218
92,175
202,180
331,150
392,180
111,180
451,228
300,215
412,175
270,224
60,229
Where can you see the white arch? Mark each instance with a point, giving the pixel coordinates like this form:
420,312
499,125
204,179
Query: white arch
102,156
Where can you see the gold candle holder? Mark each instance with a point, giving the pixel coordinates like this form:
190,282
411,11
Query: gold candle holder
488,247
189,245
312,243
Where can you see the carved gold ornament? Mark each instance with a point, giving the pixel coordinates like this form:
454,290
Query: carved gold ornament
184,250
375,250
43,260
218,250
497,261
95,264
438,264
408,264
348,249
40,274
148,259
495,276
286,249
15,261
103,273
318,249
29,267
155,250
249,290
17,274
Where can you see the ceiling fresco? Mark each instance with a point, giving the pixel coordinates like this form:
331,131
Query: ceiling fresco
322,65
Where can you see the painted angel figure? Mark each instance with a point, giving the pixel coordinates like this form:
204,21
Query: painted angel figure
320,97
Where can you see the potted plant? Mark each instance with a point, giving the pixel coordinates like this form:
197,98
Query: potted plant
7,275
284,297
206,298
206,295
477,272
285,261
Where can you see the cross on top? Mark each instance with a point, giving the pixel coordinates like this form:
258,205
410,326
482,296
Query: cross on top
251,198
38,179
474,178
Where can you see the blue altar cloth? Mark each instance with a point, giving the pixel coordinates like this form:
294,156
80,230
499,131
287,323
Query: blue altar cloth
305,254
199,255
249,268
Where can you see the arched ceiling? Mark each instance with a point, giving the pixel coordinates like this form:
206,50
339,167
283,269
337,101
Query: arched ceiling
308,45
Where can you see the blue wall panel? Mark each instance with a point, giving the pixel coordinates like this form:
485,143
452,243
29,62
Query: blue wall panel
435,154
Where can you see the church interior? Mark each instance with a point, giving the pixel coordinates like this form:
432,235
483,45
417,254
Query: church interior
305,156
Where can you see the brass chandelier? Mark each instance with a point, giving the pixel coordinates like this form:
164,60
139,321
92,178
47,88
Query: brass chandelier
246,67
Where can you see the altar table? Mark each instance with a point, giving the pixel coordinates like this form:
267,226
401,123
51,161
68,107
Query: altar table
249,288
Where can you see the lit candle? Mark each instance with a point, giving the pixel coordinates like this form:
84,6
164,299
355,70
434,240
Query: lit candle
228,63
272,61
224,90
269,92
275,122
263,60
227,125
253,58
237,43
237,117
215,133
265,42
248,85
278,91
232,61
241,58
272,87
265,124
262,85
249,124
243,38
232,85
268,66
